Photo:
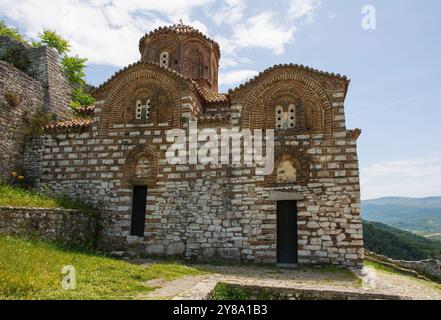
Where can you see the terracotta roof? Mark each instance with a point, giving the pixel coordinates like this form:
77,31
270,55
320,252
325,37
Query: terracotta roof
69,124
291,65
180,29
207,97
86,111
150,63
211,97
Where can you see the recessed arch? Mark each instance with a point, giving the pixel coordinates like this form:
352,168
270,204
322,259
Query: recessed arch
141,167
126,89
305,91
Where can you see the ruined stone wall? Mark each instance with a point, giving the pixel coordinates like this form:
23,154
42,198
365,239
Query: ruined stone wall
42,87
44,67
65,226
21,97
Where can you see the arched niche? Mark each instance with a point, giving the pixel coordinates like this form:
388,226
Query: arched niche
313,109
141,166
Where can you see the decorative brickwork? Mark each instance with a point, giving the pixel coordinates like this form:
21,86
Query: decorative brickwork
211,211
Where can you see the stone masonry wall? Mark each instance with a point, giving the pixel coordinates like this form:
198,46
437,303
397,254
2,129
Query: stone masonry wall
30,95
42,87
62,225
45,68
213,211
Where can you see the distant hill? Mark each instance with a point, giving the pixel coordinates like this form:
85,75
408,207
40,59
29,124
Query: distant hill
398,244
421,216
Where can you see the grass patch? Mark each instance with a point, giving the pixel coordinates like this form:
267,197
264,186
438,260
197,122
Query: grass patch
18,197
31,269
223,291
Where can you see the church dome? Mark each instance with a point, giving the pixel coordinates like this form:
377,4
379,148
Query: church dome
186,50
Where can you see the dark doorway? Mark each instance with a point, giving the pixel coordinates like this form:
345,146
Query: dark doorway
287,232
138,211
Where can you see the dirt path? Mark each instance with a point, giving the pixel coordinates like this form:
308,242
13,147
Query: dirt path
334,279
170,289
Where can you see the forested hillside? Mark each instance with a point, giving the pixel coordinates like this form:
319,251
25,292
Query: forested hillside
398,244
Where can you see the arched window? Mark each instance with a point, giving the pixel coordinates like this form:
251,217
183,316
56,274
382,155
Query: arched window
164,59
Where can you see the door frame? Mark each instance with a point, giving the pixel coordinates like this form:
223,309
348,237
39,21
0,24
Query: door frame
295,227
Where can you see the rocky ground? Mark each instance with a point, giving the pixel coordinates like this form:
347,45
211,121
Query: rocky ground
373,282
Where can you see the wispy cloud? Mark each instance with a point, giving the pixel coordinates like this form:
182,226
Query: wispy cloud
104,31
303,9
236,77
420,177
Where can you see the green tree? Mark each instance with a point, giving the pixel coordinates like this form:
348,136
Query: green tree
53,40
11,33
74,67
81,98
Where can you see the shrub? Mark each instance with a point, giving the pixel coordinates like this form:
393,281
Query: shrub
11,33
13,98
16,56
35,124
81,98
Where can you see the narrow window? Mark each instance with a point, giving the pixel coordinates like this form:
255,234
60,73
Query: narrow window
280,118
138,110
291,116
164,59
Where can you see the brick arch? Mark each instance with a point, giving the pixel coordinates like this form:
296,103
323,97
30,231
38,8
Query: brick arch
132,159
299,158
255,109
133,79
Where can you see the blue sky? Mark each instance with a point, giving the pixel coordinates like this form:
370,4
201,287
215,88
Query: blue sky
395,70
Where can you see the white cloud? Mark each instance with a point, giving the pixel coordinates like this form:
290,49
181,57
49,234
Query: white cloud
406,178
104,31
231,12
303,9
108,31
236,77
266,30
261,31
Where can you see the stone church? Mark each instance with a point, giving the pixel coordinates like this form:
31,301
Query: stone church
112,155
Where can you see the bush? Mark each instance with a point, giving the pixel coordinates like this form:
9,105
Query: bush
81,99
11,33
35,124
16,56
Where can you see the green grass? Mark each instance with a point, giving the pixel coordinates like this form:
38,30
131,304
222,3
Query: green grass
224,291
32,270
18,197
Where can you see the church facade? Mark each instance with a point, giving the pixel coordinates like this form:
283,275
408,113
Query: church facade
113,155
